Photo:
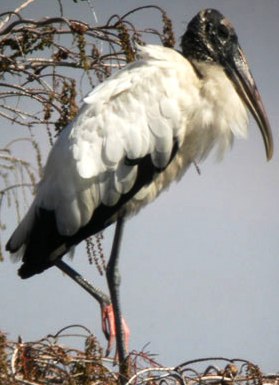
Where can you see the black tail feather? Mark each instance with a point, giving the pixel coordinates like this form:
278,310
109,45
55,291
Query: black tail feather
45,245
43,240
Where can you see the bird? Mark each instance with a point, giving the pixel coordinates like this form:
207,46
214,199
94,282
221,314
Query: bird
136,133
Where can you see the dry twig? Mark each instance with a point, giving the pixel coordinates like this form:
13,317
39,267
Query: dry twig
49,65
51,361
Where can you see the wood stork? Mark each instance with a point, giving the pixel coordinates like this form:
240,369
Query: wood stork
136,133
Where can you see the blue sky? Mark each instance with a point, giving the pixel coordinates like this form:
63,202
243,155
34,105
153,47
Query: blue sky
200,265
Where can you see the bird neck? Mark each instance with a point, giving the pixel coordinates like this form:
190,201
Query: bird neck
222,114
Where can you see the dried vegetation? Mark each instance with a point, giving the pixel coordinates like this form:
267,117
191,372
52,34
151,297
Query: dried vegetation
46,67
50,361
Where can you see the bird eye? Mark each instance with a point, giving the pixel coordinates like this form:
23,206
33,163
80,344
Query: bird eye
223,32
208,28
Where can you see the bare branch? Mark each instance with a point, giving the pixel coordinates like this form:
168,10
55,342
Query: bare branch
49,361
16,11
50,64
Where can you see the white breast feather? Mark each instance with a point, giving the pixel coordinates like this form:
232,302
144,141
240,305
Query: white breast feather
138,111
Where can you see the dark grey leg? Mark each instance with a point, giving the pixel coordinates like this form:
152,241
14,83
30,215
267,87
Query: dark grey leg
112,322
95,292
113,278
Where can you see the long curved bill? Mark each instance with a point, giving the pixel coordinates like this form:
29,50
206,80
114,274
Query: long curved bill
245,85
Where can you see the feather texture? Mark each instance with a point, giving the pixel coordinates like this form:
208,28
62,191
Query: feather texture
144,110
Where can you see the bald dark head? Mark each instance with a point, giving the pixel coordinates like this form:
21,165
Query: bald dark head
209,37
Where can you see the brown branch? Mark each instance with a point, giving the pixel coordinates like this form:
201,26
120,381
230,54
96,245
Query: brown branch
16,12
34,56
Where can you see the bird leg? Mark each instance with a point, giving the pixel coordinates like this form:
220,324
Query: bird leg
108,322
95,292
113,279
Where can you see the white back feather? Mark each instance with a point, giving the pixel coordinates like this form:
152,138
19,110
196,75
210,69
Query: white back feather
140,110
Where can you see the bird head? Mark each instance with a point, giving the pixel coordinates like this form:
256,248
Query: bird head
211,38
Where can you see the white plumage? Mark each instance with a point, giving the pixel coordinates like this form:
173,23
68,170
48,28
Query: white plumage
143,109
136,133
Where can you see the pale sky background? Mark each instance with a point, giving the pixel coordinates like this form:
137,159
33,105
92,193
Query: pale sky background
200,266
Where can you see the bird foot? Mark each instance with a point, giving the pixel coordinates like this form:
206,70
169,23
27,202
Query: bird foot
109,329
